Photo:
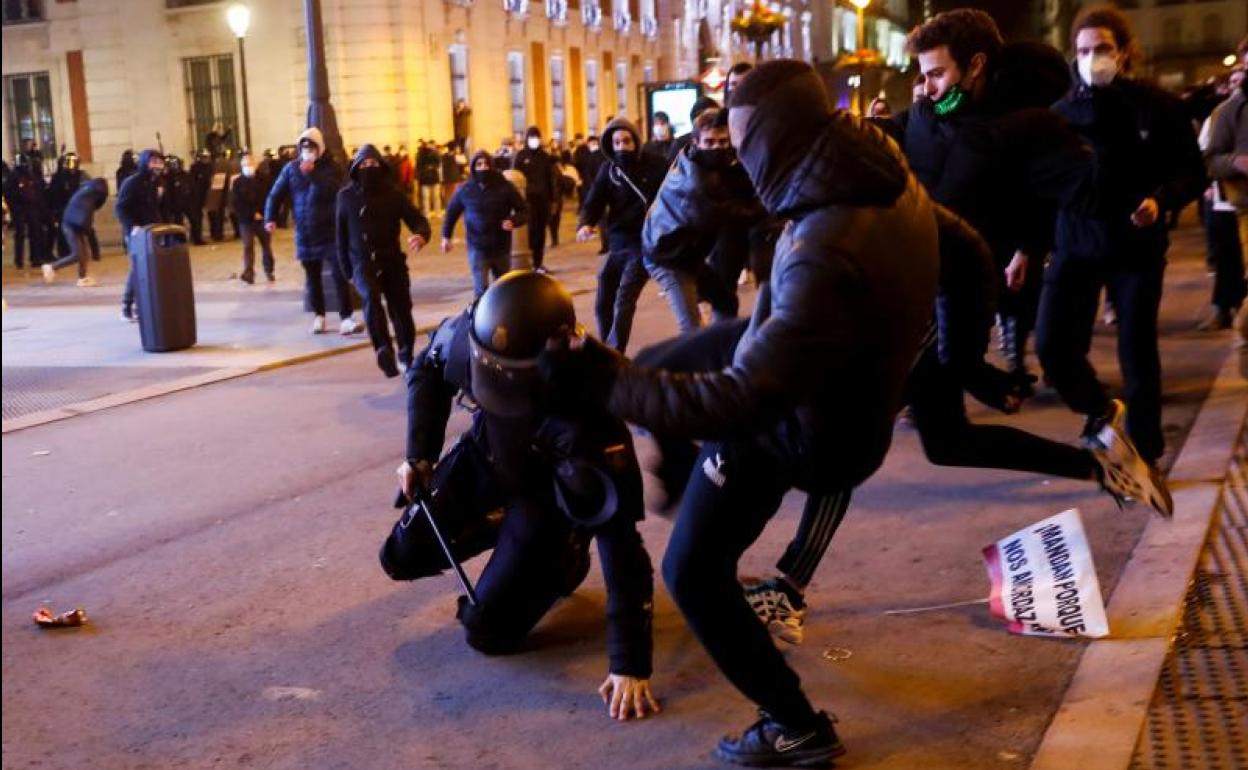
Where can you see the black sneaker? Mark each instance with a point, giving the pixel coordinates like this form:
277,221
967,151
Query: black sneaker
767,743
386,362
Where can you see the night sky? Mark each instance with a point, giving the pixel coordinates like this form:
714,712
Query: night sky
1014,17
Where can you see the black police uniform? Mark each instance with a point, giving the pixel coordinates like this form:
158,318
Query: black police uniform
550,476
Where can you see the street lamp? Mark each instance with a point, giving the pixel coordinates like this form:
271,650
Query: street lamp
238,16
861,5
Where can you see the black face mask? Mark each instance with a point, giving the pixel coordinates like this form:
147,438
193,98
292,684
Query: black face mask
479,175
372,178
717,158
626,158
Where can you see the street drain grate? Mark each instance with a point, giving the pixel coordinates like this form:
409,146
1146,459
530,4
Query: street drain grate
30,389
1199,715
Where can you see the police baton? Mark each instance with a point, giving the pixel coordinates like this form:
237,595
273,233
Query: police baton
420,498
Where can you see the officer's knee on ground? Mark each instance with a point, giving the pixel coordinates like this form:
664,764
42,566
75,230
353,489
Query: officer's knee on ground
480,635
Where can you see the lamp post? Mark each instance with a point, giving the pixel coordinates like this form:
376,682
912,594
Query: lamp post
861,5
238,16
320,111
757,24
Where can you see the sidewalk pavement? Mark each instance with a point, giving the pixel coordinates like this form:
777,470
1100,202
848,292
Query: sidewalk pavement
66,349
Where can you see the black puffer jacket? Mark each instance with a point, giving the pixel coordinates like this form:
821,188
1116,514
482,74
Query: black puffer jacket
818,376
1144,147
369,220
541,177
697,208
247,198
485,202
625,189
86,200
312,197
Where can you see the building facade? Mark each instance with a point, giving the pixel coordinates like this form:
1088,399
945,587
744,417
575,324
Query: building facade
104,76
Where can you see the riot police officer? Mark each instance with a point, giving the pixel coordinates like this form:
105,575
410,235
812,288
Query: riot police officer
559,480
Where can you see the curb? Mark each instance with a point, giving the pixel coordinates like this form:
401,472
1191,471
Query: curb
35,419
1098,723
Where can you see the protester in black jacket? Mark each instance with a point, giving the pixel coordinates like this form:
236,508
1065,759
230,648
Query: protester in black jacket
138,205
625,187
311,184
560,480
815,384
492,208
247,197
77,223
429,178
370,210
661,140
541,185
706,204
1149,162
200,182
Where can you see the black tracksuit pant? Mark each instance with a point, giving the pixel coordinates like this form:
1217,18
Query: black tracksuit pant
539,217
387,279
1068,303
1226,256
33,229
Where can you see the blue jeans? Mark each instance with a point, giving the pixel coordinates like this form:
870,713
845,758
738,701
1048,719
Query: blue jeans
484,263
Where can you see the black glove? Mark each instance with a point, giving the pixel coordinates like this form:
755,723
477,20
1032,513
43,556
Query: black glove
581,376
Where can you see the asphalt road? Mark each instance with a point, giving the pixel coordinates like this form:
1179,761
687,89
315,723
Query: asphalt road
223,541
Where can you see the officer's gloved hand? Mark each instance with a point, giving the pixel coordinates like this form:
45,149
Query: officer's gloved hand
579,371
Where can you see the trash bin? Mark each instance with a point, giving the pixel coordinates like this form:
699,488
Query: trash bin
165,291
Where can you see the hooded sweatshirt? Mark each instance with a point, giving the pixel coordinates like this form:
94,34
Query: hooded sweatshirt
623,189
818,377
312,201
86,200
369,212
485,201
138,200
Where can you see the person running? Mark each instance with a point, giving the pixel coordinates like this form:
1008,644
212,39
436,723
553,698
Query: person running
77,223
492,209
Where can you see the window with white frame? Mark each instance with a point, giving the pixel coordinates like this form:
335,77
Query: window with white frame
210,98
557,11
591,93
459,73
556,95
647,72
516,7
621,88
29,98
649,19
515,88
591,15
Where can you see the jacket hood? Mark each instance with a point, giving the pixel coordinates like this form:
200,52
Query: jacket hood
313,135
145,158
619,124
1028,74
489,160
847,161
98,187
365,152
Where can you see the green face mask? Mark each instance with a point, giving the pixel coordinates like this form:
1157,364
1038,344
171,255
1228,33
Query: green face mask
951,102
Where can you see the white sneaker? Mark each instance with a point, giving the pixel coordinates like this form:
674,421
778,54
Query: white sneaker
318,325
1124,473
86,282
350,326
49,273
773,607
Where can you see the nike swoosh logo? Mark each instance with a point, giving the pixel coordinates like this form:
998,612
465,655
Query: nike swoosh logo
785,744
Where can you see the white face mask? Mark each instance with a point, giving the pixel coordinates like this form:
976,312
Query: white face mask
307,154
1098,69
247,170
534,142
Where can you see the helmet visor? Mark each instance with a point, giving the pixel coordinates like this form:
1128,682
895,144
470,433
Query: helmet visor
507,387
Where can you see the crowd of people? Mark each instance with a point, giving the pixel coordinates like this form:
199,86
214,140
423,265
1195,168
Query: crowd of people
1014,192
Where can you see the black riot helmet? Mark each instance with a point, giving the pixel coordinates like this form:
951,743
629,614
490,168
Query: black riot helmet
510,326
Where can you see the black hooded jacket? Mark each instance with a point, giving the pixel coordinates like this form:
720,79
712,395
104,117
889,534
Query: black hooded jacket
1145,147
818,377
369,219
700,208
138,200
625,188
541,176
485,201
86,200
